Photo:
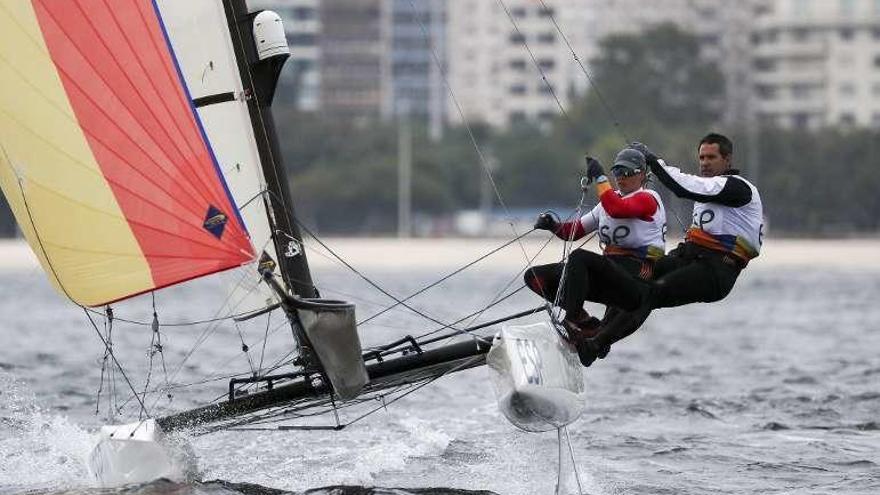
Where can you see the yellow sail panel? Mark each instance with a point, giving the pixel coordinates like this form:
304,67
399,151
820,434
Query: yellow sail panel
104,161
45,155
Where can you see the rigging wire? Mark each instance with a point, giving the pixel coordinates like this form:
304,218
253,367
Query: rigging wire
118,365
107,346
602,100
105,371
365,278
384,306
447,277
359,273
480,155
265,339
528,49
616,122
193,323
566,252
384,405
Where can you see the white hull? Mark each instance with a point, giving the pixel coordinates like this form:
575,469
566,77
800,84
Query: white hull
139,453
538,378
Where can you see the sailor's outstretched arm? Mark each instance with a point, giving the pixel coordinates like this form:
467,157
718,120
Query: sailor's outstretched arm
578,228
726,190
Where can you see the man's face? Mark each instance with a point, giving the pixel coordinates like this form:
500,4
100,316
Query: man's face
711,161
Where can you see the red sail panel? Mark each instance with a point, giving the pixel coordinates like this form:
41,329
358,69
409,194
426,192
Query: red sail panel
125,89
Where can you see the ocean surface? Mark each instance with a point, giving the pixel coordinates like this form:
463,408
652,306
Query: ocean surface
774,390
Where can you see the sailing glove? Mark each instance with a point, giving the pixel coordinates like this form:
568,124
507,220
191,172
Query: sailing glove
649,155
594,170
546,221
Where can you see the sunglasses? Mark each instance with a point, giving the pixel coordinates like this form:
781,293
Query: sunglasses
621,172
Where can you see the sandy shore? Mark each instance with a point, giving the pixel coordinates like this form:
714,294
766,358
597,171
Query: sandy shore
392,253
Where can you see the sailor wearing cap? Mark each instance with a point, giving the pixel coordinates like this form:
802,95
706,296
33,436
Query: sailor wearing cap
727,232
631,225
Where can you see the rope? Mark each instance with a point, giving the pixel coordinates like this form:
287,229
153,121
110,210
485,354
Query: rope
482,159
549,12
365,278
602,100
565,260
109,349
418,387
447,277
528,49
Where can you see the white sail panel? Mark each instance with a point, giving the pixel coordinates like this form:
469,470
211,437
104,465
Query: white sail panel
200,36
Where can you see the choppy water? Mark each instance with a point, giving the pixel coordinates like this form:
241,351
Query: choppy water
775,390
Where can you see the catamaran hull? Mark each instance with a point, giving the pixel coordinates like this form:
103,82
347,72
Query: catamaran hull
538,379
139,453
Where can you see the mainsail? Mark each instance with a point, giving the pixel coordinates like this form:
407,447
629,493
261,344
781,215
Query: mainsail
104,161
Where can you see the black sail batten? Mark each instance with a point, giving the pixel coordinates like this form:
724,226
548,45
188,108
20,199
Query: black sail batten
259,79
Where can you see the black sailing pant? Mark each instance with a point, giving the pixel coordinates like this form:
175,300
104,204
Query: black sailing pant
688,274
691,273
609,280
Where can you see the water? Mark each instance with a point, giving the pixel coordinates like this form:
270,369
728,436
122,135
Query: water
773,390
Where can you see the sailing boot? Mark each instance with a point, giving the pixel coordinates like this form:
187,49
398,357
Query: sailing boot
590,349
586,327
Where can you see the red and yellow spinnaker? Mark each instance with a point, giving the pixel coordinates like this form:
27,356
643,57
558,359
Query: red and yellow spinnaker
102,157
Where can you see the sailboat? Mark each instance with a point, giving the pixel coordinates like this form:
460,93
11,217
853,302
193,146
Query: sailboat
138,151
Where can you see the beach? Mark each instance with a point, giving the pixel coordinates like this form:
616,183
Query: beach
435,253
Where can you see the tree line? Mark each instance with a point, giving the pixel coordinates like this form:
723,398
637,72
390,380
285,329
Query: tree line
652,87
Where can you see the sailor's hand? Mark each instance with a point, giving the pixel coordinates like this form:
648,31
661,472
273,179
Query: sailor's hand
594,170
546,221
640,147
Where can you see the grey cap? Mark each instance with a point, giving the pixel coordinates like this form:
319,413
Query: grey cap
631,159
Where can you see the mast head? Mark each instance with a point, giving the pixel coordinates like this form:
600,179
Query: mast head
269,36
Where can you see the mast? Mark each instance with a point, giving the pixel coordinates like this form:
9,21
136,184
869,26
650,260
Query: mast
259,78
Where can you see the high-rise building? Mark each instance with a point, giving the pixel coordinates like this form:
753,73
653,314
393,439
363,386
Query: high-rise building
418,57
498,80
817,63
354,58
383,58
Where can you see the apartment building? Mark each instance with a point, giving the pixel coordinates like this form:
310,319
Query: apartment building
495,79
498,81
418,58
354,59
817,63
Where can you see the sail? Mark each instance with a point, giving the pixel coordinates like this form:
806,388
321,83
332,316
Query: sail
102,156
199,34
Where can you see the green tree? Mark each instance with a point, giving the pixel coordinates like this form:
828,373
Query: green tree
645,82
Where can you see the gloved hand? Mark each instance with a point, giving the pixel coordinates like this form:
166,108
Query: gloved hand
546,221
594,169
649,155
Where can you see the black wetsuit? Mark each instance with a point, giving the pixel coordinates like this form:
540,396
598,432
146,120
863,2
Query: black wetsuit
690,273
591,277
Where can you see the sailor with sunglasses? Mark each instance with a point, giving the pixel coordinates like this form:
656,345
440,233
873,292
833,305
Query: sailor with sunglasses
726,233
631,225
